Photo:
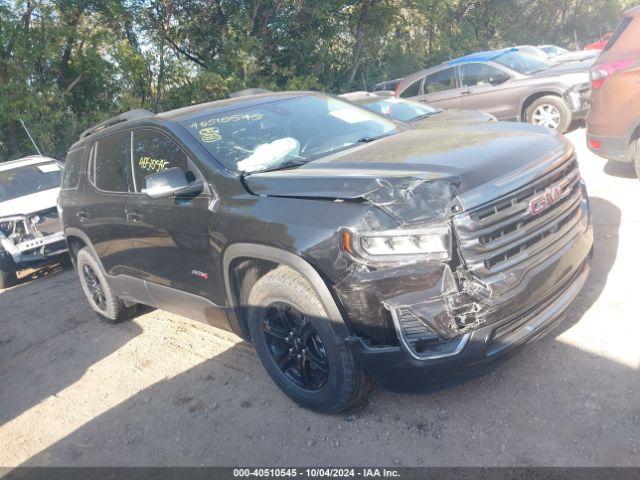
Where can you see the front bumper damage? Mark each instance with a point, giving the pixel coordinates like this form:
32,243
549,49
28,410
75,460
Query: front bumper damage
506,285
30,240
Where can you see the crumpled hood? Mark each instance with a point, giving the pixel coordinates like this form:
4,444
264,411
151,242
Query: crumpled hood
28,204
416,174
454,116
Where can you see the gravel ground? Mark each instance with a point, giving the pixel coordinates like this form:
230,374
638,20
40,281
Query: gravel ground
163,390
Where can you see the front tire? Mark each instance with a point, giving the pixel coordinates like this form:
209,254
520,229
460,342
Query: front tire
98,292
298,347
7,279
551,112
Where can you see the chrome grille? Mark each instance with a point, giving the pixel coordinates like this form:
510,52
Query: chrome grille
503,233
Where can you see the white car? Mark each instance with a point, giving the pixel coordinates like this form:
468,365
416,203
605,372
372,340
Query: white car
30,230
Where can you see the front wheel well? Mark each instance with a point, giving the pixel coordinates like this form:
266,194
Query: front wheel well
75,244
244,272
532,98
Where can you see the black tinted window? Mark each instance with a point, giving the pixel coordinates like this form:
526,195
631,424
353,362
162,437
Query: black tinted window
413,90
73,169
622,26
440,81
479,74
153,152
110,157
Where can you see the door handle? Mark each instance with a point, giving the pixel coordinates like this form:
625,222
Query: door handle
82,215
135,217
465,92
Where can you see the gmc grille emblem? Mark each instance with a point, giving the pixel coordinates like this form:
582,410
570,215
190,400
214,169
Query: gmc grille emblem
540,202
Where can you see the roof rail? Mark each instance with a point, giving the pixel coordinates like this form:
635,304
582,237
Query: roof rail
123,117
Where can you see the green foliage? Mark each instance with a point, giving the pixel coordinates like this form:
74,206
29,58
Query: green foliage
66,64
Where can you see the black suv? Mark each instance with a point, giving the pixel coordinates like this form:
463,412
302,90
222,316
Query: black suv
344,246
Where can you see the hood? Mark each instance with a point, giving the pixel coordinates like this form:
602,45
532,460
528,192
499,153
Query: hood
455,117
28,204
578,69
463,162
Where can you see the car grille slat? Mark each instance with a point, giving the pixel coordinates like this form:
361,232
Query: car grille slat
503,233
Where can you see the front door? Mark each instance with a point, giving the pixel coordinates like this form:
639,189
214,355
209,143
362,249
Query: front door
170,235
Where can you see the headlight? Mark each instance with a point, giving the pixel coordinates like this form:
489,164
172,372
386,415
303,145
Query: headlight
430,243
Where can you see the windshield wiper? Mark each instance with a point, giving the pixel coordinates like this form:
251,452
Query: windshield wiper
425,115
372,139
293,163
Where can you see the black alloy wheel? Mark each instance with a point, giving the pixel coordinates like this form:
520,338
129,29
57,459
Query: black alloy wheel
295,346
95,287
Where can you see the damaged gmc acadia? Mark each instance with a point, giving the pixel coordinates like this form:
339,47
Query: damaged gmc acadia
346,247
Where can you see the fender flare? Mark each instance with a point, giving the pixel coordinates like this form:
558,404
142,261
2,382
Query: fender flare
75,232
277,255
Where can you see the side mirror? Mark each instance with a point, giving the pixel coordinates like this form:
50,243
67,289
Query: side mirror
171,182
498,79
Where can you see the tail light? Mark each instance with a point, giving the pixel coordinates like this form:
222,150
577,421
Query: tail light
602,71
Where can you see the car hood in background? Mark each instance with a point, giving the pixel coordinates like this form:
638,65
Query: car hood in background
468,162
580,68
28,204
453,117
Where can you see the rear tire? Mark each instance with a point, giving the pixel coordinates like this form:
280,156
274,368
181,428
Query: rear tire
7,279
98,292
298,347
551,112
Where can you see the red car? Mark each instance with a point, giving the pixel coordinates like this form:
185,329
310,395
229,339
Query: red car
600,44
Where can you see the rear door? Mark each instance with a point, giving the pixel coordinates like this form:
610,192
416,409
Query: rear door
102,215
488,89
439,89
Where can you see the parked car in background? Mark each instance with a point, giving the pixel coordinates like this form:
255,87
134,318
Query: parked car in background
416,113
600,44
613,123
388,85
30,229
508,84
562,55
343,245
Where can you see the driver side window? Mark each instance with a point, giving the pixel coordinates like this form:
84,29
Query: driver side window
479,74
152,152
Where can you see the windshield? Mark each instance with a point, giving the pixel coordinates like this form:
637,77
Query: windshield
523,62
285,132
400,109
22,181
554,51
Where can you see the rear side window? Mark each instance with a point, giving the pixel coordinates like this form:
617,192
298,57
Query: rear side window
73,169
110,155
479,74
154,152
440,81
622,26
412,90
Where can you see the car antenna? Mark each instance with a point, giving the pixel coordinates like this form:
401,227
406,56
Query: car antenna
31,138
364,83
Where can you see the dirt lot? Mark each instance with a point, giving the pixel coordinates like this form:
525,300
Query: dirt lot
163,390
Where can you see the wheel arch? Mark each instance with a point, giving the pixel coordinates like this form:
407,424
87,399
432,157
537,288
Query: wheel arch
76,240
535,96
238,252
